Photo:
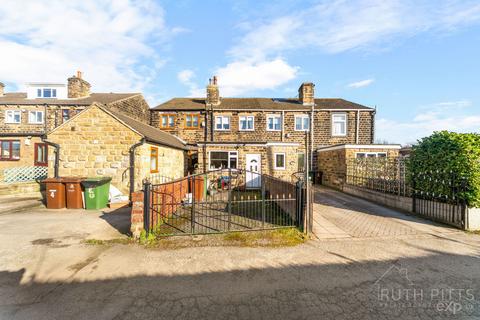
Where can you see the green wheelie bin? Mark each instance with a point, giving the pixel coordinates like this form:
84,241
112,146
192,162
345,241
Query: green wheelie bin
96,192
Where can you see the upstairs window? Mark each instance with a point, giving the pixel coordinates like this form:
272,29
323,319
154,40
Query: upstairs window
153,160
35,117
246,123
302,123
9,150
222,123
167,121
274,123
192,121
13,116
339,124
46,93
65,115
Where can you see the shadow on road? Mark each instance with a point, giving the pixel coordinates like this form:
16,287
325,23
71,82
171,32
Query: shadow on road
345,290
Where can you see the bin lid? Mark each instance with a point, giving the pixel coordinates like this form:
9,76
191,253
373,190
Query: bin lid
52,180
95,181
72,179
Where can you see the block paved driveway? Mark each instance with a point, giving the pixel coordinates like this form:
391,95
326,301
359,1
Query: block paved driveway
338,215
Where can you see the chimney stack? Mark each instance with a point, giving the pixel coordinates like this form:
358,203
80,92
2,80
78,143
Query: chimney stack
213,94
77,87
306,94
2,89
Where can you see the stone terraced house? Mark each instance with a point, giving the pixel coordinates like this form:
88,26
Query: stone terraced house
28,118
265,135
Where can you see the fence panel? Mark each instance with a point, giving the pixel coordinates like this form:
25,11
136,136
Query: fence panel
391,176
24,174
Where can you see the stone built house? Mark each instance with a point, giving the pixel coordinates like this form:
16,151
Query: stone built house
101,142
27,118
265,135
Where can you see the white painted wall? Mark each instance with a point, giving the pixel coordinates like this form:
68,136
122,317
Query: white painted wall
62,92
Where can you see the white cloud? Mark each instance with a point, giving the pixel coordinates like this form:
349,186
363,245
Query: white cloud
361,84
239,77
186,78
112,42
338,26
449,115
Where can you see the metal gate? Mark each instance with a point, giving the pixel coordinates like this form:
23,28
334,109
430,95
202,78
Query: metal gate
221,201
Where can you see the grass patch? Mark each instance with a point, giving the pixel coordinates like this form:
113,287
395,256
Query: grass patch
287,237
97,242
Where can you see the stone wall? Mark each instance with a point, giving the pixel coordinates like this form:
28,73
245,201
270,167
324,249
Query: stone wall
267,158
95,144
333,163
135,107
322,128
77,87
26,153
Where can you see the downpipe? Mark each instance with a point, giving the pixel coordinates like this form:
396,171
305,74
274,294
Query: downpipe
132,166
57,155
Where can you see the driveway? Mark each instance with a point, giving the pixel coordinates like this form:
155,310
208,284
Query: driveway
338,215
48,272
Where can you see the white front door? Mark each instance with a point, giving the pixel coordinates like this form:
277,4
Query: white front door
254,170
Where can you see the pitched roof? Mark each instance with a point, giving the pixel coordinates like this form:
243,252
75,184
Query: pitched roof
259,104
150,133
20,98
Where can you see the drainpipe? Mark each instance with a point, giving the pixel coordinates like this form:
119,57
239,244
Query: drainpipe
283,128
57,155
132,166
311,135
358,127
373,124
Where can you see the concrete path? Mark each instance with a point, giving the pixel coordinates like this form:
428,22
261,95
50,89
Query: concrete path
338,215
48,272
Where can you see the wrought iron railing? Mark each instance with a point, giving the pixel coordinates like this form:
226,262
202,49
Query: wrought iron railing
223,200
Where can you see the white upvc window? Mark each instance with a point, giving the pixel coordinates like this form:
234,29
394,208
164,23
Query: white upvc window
35,117
302,123
13,116
222,123
363,155
339,124
223,159
274,122
46,93
246,123
279,163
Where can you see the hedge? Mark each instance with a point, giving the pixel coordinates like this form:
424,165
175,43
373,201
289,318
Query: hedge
448,157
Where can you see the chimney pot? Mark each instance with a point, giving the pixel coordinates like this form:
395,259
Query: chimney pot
306,94
213,94
79,74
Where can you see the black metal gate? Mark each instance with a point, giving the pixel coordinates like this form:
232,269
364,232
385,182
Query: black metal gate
223,200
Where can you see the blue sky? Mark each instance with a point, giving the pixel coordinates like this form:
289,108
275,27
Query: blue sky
416,61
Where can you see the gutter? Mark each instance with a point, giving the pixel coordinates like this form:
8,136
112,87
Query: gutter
57,154
132,166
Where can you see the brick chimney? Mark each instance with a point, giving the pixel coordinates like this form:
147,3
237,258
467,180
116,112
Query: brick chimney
306,94
213,94
2,89
77,87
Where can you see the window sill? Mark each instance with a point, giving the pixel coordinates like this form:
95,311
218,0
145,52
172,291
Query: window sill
9,159
153,171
